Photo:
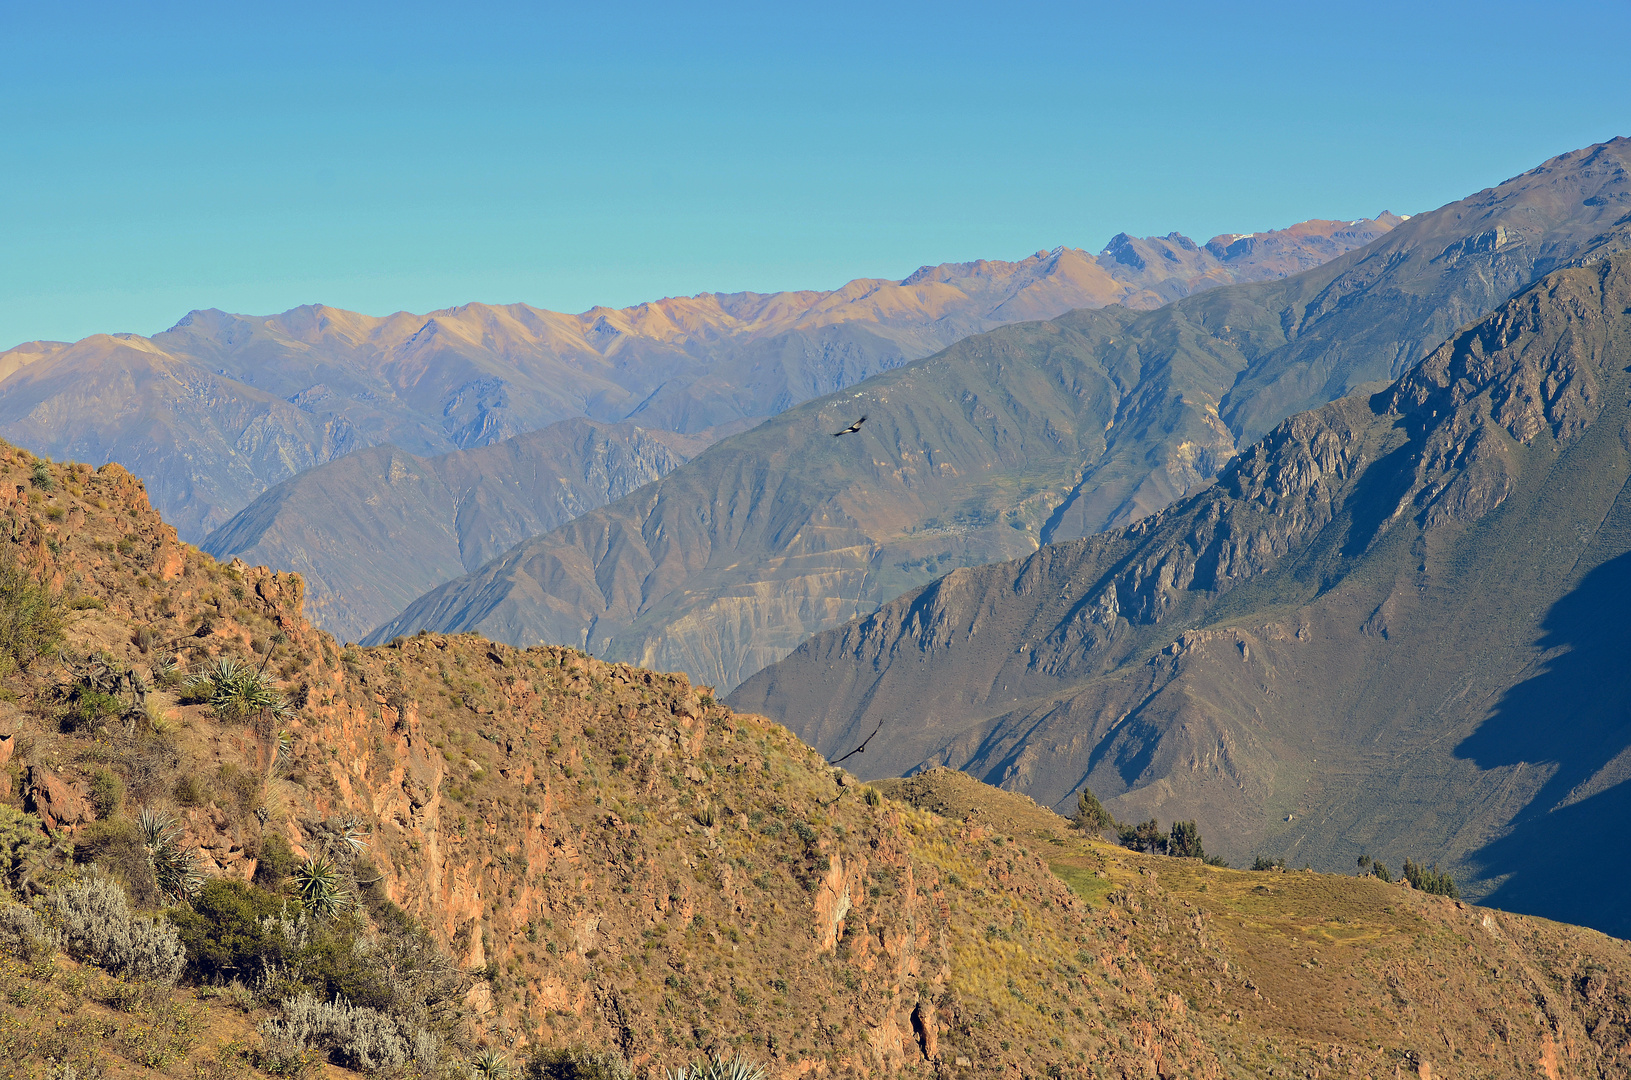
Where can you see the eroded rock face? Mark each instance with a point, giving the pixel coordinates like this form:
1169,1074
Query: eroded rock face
61,806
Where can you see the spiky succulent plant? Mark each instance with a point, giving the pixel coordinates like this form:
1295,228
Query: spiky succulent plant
731,1068
175,866
321,888
490,1065
237,691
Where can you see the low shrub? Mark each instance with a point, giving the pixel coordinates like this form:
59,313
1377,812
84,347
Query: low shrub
107,793
94,918
25,935
224,931
20,836
576,1063
31,615
354,1036
276,862
114,847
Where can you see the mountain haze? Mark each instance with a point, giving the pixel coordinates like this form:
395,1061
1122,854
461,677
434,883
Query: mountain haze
1392,626
220,407
374,529
1028,434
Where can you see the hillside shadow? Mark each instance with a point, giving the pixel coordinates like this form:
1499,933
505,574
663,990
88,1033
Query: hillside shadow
1574,862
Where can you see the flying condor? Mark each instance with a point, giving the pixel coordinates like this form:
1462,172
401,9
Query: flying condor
852,429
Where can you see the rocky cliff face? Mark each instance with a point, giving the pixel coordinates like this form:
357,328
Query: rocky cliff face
1362,594
220,407
371,531
1027,435
629,867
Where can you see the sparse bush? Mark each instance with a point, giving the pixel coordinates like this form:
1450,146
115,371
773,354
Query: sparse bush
576,1063
276,861
88,707
20,836
354,1036
107,793
1265,863
24,934
189,791
31,615
96,924
114,847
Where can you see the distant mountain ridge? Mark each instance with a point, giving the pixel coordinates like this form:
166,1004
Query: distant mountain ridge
1394,623
371,531
220,407
1029,434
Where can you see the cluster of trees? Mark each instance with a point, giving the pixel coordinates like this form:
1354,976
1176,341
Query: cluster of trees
1182,842
1428,879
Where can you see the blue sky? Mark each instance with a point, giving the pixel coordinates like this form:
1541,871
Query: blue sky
158,157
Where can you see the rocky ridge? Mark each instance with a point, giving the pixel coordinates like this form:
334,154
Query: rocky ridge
1027,435
626,866
220,407
1239,657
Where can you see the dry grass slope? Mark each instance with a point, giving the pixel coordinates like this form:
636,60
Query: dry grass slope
623,866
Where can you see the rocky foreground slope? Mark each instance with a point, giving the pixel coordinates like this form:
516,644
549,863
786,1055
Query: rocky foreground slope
629,874
221,407
1030,434
1391,627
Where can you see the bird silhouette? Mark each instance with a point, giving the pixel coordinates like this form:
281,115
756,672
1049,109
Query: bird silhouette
852,429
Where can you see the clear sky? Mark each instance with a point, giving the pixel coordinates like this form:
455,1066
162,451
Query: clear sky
158,157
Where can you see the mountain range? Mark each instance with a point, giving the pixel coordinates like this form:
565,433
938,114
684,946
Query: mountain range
1390,625
370,531
218,408
550,865
1022,436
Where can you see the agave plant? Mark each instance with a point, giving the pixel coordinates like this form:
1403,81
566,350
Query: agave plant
353,833
175,866
490,1065
237,691
732,1068
321,888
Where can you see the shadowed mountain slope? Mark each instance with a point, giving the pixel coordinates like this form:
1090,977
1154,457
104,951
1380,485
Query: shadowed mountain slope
220,407
1389,628
374,529
607,872
1028,434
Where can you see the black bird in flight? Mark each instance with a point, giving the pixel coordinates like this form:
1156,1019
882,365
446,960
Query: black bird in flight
852,429
862,748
